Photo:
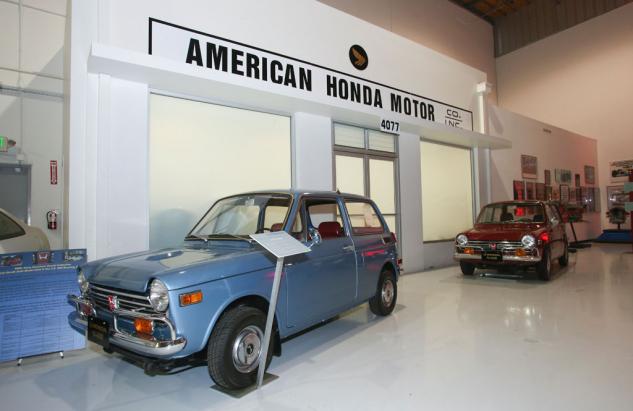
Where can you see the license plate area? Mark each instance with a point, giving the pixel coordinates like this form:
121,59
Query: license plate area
98,331
491,256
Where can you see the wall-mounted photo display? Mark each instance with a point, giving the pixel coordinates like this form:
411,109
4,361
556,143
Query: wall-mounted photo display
620,170
564,193
562,176
573,199
616,197
549,196
519,189
540,191
555,193
596,199
578,194
530,191
577,180
590,175
528,166
548,178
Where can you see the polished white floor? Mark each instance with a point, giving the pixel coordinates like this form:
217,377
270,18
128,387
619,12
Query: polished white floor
453,343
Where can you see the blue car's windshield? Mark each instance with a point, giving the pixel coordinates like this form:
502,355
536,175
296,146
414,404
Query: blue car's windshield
243,215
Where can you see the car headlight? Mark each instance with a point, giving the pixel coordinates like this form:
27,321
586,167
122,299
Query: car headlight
528,241
462,240
158,295
81,280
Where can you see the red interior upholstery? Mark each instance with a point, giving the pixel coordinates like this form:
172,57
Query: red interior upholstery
276,227
330,229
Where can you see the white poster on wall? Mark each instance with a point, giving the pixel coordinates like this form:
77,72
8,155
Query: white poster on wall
228,60
620,170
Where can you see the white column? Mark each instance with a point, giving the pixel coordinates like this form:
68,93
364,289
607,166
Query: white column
311,152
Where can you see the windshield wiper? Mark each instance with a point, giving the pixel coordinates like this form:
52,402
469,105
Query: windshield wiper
225,236
196,237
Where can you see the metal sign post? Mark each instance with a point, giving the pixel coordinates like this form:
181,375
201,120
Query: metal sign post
281,245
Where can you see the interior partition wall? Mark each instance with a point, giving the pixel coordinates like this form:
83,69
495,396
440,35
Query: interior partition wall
200,152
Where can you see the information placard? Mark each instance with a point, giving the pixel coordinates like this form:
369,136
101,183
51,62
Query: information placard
280,244
33,306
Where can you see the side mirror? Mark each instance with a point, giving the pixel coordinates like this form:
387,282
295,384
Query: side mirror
316,237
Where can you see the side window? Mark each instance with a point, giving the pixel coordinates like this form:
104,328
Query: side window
363,218
8,228
325,216
274,217
552,214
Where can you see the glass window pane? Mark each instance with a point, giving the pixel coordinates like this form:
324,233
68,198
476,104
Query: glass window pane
447,198
8,228
349,136
363,218
382,141
382,185
350,175
391,223
200,152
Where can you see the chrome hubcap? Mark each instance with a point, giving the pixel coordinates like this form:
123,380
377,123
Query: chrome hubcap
247,348
387,293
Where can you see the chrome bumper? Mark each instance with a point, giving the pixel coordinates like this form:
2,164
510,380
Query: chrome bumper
149,347
504,258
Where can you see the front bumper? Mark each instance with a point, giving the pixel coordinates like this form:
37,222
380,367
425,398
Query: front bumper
118,337
504,258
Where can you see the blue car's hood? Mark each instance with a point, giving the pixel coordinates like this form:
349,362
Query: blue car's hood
210,261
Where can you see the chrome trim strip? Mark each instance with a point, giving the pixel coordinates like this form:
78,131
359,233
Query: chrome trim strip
461,256
527,258
119,293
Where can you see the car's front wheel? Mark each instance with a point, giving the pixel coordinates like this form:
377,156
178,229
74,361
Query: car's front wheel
467,268
384,301
544,267
235,347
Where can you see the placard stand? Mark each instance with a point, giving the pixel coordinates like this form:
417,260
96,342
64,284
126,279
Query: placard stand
281,245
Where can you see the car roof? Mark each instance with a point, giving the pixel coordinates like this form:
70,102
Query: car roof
531,202
299,192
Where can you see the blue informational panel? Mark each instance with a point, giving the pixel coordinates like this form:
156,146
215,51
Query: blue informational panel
33,306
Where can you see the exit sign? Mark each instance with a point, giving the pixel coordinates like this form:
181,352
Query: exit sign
4,144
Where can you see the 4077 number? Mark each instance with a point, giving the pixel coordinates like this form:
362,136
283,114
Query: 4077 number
390,126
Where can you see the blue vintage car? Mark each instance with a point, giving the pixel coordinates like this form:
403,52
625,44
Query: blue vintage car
208,299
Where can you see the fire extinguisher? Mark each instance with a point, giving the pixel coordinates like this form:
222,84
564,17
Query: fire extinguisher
51,218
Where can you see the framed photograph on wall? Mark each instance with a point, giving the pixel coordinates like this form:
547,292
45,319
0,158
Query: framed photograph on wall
564,193
519,189
616,197
577,180
548,178
548,193
528,166
620,170
562,176
590,175
530,192
540,191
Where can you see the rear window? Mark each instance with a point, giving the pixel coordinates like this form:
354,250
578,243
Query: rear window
512,213
363,218
9,228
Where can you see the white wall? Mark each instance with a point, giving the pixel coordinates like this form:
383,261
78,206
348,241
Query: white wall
581,80
32,59
557,149
440,25
101,90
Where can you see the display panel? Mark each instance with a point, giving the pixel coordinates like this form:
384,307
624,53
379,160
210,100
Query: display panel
200,152
447,192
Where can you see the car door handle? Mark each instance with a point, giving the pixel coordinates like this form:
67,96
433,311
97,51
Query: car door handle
348,248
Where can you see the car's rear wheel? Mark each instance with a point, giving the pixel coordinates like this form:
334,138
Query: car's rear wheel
384,301
467,268
235,347
544,267
564,259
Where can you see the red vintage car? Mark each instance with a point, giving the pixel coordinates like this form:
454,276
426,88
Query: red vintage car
514,233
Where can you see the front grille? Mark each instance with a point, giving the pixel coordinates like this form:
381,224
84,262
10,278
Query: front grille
500,245
127,300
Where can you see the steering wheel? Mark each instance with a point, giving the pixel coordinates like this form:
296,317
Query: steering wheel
261,230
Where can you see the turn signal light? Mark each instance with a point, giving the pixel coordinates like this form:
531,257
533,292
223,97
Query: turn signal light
143,326
544,237
469,251
521,252
190,298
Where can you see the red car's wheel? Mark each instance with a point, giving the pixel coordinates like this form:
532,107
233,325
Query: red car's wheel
544,267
